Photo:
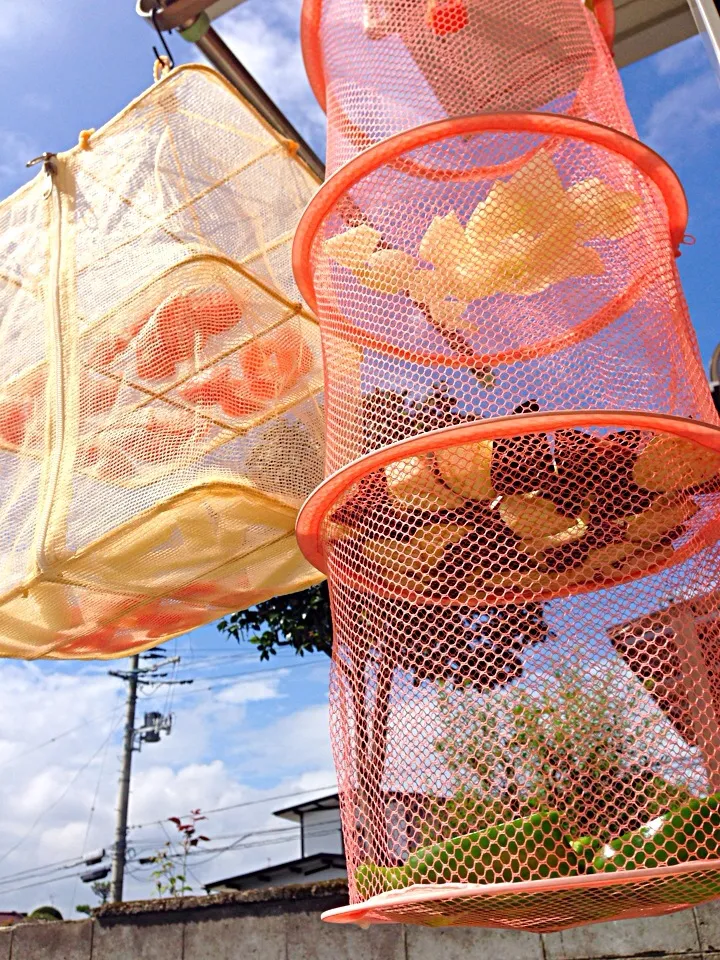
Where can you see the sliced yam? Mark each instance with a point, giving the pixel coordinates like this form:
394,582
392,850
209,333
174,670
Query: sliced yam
603,213
388,271
612,562
577,261
532,200
466,469
531,516
449,314
662,517
572,534
431,539
511,266
412,485
471,277
641,560
532,264
425,286
416,556
354,247
444,242
604,558
431,287
670,463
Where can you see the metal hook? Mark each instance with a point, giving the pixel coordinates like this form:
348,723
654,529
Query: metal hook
171,60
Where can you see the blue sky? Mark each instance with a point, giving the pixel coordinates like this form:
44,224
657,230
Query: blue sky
243,732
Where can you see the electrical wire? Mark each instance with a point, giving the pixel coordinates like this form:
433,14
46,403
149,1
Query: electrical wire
59,736
115,723
211,683
246,840
57,800
246,803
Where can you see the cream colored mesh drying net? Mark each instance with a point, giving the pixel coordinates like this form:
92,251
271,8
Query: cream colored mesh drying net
160,417
521,520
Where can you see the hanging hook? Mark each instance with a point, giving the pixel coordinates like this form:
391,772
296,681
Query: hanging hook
171,61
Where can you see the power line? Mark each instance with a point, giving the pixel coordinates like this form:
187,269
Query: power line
245,803
93,805
59,736
55,802
271,836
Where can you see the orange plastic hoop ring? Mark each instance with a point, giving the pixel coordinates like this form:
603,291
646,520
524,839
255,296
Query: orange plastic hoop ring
363,142
316,507
644,158
380,909
312,48
602,318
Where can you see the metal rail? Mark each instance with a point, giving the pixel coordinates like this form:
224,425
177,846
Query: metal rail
226,63
182,14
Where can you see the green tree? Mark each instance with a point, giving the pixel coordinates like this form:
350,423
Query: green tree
101,889
45,913
300,621
580,747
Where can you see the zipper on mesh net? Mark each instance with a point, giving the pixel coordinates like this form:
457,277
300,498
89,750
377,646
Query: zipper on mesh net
56,428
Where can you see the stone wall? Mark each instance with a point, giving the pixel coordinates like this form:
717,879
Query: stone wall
285,925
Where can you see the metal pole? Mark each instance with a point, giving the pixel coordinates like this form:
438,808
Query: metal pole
120,851
226,63
715,376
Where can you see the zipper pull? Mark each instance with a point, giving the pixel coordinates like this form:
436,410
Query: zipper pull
49,169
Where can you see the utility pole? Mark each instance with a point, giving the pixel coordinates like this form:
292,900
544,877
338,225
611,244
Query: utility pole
133,738
119,856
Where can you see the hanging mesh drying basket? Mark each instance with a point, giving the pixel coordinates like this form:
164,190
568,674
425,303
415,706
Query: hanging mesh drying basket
520,527
160,417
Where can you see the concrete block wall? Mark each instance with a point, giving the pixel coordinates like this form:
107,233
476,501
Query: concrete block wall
224,929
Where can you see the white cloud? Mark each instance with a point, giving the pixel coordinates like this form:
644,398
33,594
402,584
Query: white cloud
685,117
248,691
296,742
25,19
214,758
681,58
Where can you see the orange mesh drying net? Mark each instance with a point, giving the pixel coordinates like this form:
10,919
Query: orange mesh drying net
159,404
415,62
521,522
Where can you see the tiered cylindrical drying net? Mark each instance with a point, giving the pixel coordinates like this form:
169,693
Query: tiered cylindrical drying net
159,407
379,67
521,518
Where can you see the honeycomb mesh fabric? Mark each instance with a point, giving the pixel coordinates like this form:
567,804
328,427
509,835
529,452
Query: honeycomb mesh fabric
417,62
551,282
521,519
160,405
525,679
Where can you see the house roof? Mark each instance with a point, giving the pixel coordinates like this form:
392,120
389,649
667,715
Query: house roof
302,867
329,802
9,917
